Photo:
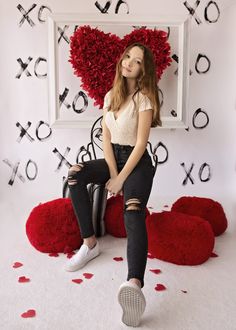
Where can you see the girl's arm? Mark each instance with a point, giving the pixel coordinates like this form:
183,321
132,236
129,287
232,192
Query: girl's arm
144,125
107,148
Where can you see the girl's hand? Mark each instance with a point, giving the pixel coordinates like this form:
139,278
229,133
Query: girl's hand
114,186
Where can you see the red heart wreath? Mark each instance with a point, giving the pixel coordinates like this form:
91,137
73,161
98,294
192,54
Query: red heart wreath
94,53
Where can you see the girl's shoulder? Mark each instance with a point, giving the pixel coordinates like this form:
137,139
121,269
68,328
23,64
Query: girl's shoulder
141,94
144,102
106,100
108,93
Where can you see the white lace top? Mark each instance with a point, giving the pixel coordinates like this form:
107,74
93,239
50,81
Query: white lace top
124,129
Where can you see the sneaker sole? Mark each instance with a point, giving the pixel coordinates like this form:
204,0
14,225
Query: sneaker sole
133,305
72,269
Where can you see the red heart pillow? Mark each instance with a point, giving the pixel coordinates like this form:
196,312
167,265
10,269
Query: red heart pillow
205,208
94,53
179,238
53,227
113,218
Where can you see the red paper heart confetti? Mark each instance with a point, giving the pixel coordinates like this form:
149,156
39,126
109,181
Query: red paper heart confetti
155,271
88,275
17,264
77,280
160,287
118,258
23,279
150,256
214,255
29,313
94,54
53,254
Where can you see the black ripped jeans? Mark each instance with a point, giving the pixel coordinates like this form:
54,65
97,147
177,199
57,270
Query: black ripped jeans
138,185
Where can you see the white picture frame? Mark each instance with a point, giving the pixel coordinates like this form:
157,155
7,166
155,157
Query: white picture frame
180,25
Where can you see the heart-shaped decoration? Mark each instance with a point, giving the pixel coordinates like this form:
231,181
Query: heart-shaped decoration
77,280
29,313
17,264
88,275
23,279
94,54
160,287
155,271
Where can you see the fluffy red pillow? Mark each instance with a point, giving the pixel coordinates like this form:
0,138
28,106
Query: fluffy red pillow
205,208
179,238
53,227
113,218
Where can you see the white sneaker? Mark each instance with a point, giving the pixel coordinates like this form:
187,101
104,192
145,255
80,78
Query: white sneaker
80,259
132,302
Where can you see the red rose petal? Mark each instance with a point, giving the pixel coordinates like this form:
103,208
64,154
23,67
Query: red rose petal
77,280
155,271
214,255
118,258
184,291
53,254
23,279
150,256
88,275
29,313
17,264
160,287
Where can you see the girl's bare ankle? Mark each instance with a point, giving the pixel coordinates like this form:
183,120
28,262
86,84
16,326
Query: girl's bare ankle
90,241
136,281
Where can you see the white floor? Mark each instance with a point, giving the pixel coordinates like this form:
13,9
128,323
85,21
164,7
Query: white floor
210,301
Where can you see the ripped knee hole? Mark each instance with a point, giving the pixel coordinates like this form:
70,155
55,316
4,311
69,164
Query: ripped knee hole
133,204
72,171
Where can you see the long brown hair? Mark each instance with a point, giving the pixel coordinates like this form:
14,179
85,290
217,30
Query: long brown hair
146,83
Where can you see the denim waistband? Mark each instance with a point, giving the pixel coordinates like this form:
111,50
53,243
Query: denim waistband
122,146
126,148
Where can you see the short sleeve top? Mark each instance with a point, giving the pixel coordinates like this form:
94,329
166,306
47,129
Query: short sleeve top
124,128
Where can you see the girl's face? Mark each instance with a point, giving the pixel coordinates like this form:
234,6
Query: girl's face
132,62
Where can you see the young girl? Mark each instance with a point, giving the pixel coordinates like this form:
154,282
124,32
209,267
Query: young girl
131,108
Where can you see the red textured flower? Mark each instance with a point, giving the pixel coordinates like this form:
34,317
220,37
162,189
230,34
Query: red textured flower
94,54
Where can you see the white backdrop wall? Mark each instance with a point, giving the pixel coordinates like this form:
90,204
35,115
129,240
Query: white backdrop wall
30,168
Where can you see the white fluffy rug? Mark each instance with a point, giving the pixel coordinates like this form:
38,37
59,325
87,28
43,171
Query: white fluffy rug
199,297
